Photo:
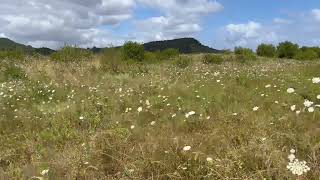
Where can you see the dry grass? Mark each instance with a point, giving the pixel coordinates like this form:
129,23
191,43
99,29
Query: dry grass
74,120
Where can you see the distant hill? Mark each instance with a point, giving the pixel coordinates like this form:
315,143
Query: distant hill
184,45
7,44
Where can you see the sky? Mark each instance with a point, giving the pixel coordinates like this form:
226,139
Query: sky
221,24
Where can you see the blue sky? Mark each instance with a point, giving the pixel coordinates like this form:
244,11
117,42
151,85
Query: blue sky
219,24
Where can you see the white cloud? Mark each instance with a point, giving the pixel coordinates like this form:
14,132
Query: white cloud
181,18
53,23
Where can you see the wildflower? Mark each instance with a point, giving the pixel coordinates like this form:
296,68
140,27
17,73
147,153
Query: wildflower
290,90
132,127
311,109
234,114
139,109
293,107
81,118
44,172
152,123
291,157
298,112
147,102
186,148
298,167
307,103
209,159
318,97
208,117
316,80
276,102
255,108
295,166
174,115
190,114
268,85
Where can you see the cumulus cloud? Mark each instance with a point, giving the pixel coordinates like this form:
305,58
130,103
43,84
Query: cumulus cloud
180,18
303,28
52,23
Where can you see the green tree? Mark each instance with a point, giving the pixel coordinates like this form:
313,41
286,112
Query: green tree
266,50
133,51
287,50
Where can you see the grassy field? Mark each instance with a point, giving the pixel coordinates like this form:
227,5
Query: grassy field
159,120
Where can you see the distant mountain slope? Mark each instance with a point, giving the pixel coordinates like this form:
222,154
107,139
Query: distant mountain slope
184,45
7,44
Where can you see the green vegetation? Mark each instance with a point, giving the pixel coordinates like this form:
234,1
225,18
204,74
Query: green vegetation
212,59
244,54
15,54
133,51
306,54
266,50
287,50
105,118
71,54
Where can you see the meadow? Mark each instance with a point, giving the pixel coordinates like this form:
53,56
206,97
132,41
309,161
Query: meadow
182,118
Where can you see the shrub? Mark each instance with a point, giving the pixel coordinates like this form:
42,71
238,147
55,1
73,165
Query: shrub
15,54
307,54
9,70
110,60
287,50
212,59
71,54
266,50
168,54
133,51
244,54
183,61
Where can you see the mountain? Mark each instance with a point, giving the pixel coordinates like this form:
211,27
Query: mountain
184,45
7,44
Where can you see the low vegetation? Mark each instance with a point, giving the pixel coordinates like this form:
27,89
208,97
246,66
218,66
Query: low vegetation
125,114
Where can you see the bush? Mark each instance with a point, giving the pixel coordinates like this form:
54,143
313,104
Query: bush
9,70
71,54
266,50
287,50
183,61
244,54
110,60
168,54
306,54
212,59
133,51
16,54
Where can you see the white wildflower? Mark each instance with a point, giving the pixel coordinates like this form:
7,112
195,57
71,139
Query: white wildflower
298,167
186,148
139,109
152,123
307,103
44,172
311,109
316,80
255,108
290,90
209,159
190,114
293,107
